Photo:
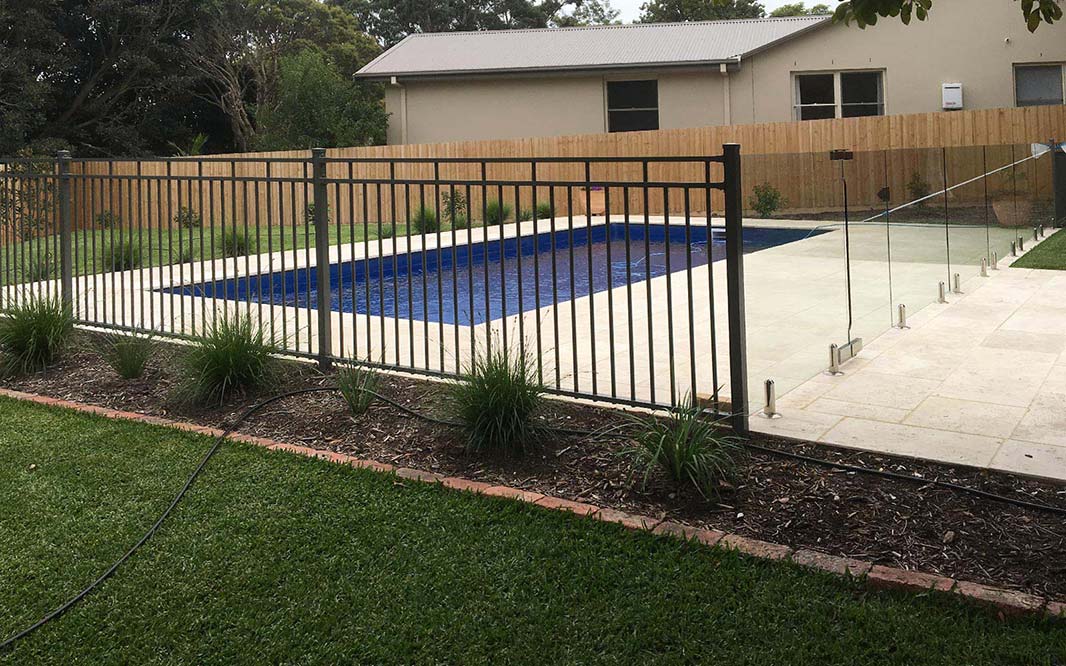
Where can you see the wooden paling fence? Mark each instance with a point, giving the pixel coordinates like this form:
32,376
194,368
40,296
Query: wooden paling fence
896,156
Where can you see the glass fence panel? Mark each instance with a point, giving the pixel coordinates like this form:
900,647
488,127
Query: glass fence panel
1004,218
869,247
915,220
795,291
1037,188
968,215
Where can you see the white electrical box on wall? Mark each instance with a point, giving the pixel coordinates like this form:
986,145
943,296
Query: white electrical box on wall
952,95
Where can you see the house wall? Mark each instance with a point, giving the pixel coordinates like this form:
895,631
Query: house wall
973,42
497,109
473,109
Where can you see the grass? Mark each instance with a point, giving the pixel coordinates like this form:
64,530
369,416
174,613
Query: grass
238,243
231,359
496,400
274,558
425,220
357,384
1049,255
127,355
162,247
124,255
33,334
497,212
688,448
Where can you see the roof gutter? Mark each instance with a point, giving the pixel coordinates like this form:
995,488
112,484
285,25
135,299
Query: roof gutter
493,73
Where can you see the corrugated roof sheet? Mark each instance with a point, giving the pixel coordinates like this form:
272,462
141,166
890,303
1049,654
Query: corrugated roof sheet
595,47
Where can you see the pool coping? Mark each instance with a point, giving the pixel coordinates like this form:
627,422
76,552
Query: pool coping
1005,603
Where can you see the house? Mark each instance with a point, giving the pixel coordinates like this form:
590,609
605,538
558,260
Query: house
505,84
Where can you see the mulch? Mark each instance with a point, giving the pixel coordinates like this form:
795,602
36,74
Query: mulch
905,524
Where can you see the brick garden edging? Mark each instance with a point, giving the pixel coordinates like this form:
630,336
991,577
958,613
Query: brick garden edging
1006,603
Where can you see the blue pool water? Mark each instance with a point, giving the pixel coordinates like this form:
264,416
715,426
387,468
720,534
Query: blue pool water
477,283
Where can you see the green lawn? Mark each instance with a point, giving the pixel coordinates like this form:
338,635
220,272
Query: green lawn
1051,254
274,558
31,260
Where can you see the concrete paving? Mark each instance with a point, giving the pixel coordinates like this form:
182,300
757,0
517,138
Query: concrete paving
978,381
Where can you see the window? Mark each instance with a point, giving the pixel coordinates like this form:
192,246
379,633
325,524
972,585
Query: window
839,95
816,97
632,106
1038,84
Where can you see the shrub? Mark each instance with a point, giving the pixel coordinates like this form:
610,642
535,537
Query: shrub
687,448
454,209
36,269
766,200
495,401
918,188
230,360
425,220
33,334
237,243
123,255
187,218
106,220
127,354
357,384
525,215
186,255
497,212
545,211
387,231
309,212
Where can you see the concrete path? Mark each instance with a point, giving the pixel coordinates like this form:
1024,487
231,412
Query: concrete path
979,381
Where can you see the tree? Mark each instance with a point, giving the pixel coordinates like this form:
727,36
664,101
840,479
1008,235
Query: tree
89,73
799,9
238,48
392,20
589,12
867,12
316,105
671,11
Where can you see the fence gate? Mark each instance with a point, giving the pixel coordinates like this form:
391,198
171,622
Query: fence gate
607,274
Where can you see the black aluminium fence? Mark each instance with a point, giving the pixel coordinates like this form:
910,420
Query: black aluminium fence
606,273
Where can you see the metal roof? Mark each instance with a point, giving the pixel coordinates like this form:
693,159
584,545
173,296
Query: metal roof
585,48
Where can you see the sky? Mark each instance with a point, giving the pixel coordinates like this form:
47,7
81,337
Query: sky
630,9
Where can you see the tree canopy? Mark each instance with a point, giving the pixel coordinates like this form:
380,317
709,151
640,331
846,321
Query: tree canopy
867,12
799,9
392,20
136,77
669,11
316,105
861,12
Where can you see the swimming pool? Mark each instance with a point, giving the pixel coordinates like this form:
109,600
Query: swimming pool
471,284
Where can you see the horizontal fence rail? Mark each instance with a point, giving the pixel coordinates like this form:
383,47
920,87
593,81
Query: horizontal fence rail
419,264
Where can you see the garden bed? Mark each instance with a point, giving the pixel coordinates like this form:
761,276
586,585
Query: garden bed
891,522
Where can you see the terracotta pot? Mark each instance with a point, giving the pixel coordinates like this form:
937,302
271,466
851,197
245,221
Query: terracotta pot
1012,213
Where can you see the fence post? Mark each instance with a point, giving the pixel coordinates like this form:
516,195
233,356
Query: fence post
66,261
1058,177
322,266
734,253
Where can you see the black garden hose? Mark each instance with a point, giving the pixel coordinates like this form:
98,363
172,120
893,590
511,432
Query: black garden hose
248,413
9,642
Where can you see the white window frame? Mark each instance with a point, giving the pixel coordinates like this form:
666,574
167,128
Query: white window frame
1014,78
607,104
838,92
